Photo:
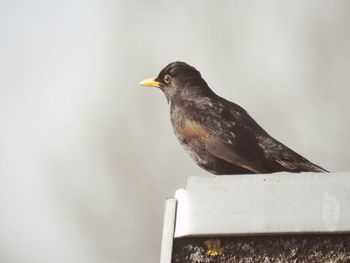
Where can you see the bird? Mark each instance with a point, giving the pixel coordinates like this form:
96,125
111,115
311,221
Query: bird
219,135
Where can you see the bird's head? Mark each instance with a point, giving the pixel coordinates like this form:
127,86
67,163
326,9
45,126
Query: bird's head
179,80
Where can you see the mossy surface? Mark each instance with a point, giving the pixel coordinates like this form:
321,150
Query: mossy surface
297,248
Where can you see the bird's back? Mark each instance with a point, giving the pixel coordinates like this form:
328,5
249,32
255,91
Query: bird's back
222,138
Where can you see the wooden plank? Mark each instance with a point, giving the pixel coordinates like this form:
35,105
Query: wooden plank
278,203
168,230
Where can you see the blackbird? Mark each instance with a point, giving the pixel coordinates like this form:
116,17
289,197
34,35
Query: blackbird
218,134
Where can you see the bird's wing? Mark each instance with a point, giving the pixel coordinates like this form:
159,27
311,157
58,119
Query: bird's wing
231,151
280,155
230,134
222,136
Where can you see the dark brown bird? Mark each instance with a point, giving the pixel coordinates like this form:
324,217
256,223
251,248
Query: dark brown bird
218,134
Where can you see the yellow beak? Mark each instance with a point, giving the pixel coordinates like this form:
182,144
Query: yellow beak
150,83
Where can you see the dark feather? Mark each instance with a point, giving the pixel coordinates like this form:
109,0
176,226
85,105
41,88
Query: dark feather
219,135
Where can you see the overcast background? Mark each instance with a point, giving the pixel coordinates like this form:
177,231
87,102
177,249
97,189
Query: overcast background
87,157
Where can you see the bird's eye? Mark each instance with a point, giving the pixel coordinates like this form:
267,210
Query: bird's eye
167,79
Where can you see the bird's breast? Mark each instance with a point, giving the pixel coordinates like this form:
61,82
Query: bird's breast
187,130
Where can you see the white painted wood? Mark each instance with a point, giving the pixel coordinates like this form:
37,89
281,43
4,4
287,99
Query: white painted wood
168,230
264,204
